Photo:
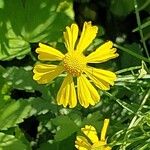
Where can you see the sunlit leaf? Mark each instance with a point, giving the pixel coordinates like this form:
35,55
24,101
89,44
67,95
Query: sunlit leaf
66,127
121,8
9,142
26,22
13,113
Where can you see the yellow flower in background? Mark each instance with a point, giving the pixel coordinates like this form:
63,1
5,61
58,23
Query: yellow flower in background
76,65
93,142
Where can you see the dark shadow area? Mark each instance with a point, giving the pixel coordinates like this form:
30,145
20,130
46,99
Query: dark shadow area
29,127
17,94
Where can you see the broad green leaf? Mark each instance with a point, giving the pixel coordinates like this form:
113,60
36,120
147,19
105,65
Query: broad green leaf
45,21
95,119
13,113
10,142
20,135
12,19
62,145
2,80
66,127
1,4
4,88
30,21
127,60
42,106
22,79
121,7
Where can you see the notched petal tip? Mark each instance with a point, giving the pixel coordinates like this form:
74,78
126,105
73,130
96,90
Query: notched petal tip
90,95
48,53
44,73
74,25
91,133
40,44
110,43
67,94
70,37
101,78
103,53
87,36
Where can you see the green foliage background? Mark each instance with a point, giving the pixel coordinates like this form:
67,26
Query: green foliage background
29,115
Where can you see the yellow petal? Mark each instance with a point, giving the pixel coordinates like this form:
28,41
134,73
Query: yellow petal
90,95
48,53
107,148
101,78
88,34
67,94
104,130
70,37
103,53
44,73
100,145
82,143
91,133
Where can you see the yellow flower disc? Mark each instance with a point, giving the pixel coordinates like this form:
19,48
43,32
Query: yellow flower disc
74,63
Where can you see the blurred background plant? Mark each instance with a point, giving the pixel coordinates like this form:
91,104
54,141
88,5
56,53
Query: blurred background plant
29,116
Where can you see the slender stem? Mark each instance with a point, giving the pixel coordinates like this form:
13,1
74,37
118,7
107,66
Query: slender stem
132,53
144,25
133,121
139,26
141,106
118,101
144,5
128,69
32,56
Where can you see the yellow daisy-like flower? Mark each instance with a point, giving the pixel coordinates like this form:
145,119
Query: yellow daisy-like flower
93,142
75,63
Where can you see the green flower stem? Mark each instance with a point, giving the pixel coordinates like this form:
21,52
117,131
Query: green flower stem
128,69
132,53
135,120
144,25
140,108
144,5
139,26
120,102
33,57
131,78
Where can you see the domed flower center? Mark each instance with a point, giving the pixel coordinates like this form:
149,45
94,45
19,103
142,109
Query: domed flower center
74,63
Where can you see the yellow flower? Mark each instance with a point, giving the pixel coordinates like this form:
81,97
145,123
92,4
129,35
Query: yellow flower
82,143
76,64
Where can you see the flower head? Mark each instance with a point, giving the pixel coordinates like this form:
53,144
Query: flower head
93,142
76,65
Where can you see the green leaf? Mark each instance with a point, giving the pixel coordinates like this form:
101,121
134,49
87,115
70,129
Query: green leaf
66,127
127,60
31,21
62,145
4,88
12,44
22,79
13,113
95,119
9,142
20,135
121,7
44,23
